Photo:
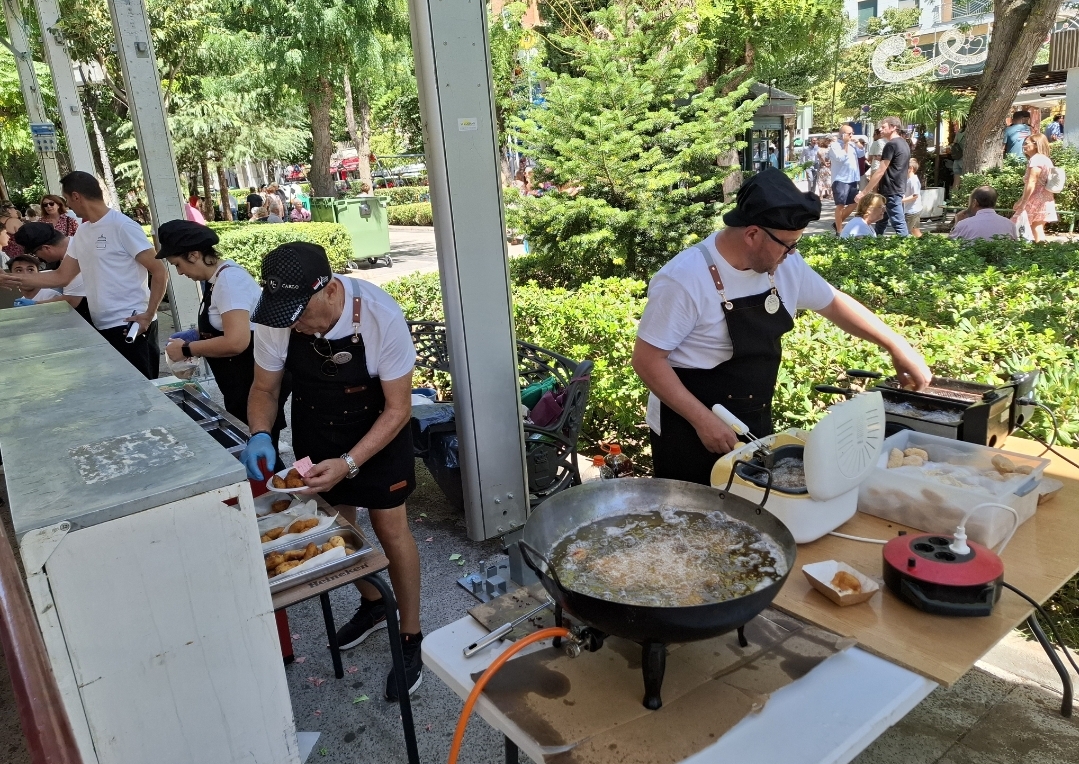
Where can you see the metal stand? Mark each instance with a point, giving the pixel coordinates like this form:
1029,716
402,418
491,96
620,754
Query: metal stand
511,751
654,664
331,635
1065,677
742,641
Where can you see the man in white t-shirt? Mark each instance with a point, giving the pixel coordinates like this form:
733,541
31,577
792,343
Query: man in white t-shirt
114,256
50,246
713,326
350,355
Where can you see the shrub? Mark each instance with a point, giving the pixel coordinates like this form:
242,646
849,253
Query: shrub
410,214
405,194
248,243
1008,180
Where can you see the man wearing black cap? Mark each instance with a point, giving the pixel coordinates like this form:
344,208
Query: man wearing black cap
47,244
348,349
712,330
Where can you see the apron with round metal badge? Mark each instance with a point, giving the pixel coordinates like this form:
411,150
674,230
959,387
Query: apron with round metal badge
745,383
335,402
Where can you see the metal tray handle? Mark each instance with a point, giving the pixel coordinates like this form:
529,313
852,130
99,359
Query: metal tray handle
527,550
759,468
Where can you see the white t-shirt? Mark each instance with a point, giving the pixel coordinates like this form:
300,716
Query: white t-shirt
46,294
234,289
386,339
685,315
876,148
914,187
857,227
115,284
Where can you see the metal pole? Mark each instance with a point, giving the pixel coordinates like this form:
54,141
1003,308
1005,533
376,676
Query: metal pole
135,50
453,74
31,90
79,149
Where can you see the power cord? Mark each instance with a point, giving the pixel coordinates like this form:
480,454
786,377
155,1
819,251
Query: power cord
1056,430
1052,625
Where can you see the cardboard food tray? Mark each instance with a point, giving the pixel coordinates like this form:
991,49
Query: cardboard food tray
352,537
301,512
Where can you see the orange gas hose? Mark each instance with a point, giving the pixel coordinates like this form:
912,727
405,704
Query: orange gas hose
500,661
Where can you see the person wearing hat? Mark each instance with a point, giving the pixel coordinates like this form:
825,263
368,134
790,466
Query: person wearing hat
49,245
224,336
716,315
347,345
26,263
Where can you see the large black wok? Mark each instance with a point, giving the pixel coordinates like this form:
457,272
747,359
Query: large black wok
652,627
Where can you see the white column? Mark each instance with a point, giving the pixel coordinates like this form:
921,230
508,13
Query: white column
1071,121
453,72
31,89
147,112
79,149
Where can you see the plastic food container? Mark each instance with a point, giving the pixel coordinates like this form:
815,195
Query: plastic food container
911,496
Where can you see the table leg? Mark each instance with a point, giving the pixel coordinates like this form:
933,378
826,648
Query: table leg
284,635
1065,678
511,751
331,634
393,628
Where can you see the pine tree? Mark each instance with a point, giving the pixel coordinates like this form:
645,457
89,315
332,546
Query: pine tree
628,139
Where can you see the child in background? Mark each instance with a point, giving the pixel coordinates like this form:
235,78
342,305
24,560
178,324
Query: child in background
912,202
21,264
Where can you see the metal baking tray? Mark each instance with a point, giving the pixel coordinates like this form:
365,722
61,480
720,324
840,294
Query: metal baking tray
353,538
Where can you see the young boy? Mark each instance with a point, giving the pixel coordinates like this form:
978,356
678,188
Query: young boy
912,202
23,264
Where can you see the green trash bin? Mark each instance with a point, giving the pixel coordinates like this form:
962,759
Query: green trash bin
365,219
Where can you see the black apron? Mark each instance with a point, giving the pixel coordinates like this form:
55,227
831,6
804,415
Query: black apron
744,384
235,375
332,413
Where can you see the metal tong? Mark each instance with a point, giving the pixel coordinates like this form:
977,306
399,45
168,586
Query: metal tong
503,630
762,451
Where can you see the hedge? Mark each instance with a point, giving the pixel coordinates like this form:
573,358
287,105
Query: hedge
410,214
248,243
405,194
1008,180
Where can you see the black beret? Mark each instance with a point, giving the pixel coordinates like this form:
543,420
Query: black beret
178,237
771,200
31,236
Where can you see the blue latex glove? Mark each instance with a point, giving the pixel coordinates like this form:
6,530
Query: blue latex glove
22,302
259,447
190,335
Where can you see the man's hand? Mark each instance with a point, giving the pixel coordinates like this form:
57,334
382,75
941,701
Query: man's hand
910,368
143,320
716,436
859,196
259,449
175,350
7,281
325,475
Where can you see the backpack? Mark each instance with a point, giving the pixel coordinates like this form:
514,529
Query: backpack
957,150
1055,180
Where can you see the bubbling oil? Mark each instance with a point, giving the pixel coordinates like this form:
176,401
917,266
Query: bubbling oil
668,558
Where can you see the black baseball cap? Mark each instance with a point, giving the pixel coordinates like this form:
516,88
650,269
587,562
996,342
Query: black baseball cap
771,200
178,237
291,275
33,236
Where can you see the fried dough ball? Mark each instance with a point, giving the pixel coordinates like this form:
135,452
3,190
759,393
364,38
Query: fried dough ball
273,560
293,480
305,524
275,533
285,567
277,482
1003,464
844,583
295,554
921,452
895,458
336,541
282,504
349,550
264,538
309,552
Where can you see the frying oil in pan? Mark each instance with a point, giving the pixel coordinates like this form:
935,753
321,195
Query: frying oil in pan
668,559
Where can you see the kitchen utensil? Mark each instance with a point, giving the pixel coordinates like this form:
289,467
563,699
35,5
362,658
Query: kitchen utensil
652,627
503,630
352,537
929,573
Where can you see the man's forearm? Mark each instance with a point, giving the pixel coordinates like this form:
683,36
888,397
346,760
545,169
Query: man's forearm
874,179
261,409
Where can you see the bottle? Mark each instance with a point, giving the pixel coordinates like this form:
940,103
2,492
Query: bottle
619,464
599,467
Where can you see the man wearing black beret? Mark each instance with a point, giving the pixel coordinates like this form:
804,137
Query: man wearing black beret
712,330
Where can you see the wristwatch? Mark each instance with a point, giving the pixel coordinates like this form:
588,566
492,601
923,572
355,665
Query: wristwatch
353,470
186,350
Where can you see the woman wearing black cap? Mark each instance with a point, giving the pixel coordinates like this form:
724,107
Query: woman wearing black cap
224,336
713,327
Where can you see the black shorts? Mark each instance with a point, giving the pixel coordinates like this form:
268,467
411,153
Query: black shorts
144,353
384,481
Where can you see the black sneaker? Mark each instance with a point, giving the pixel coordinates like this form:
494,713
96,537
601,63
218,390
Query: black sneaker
368,619
410,646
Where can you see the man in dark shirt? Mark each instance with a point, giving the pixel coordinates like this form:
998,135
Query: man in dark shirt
253,200
890,177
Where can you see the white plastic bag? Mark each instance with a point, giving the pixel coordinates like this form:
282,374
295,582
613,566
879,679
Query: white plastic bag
185,368
1022,226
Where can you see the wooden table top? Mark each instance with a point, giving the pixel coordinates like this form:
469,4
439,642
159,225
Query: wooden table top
1041,558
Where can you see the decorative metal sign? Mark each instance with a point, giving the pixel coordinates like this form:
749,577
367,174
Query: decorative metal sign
957,53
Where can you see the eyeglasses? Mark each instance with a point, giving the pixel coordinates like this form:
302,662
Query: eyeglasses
787,248
322,346
49,204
